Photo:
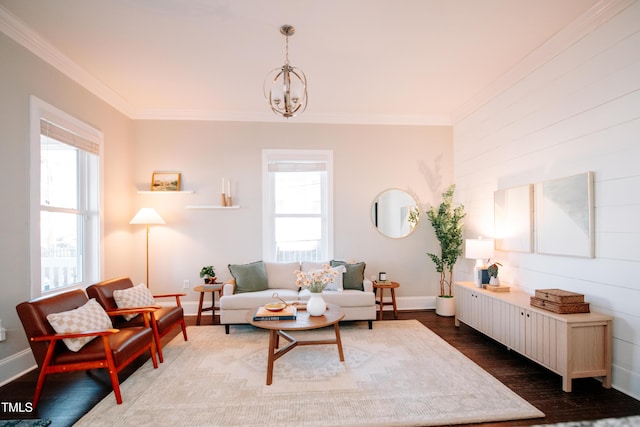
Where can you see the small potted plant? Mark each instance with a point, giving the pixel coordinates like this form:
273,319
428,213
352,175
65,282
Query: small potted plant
208,274
493,273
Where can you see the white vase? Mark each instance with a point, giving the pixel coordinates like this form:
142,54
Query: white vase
316,305
494,281
445,306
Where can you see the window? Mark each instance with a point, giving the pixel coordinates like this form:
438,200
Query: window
65,200
297,204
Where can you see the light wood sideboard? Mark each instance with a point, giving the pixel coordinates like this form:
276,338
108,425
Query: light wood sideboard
571,345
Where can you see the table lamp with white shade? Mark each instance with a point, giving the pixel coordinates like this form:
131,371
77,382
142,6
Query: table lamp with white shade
481,250
147,216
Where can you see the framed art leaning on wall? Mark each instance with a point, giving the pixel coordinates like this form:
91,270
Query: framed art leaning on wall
165,181
513,218
564,216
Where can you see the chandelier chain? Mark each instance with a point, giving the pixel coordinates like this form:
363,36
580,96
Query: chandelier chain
286,55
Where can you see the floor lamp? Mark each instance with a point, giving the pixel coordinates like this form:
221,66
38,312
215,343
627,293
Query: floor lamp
147,216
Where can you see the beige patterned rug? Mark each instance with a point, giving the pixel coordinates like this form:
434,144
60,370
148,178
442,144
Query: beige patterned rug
397,374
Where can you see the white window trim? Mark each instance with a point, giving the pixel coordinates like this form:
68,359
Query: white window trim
269,155
39,109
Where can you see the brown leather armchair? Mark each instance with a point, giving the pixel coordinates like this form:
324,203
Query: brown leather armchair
162,320
113,349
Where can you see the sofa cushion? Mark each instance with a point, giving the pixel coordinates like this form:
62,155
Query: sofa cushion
346,298
354,276
136,296
252,300
281,275
88,317
249,277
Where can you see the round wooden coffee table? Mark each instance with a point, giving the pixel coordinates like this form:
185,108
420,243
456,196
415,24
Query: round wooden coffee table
303,322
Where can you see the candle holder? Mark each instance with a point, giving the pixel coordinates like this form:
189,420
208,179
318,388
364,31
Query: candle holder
223,199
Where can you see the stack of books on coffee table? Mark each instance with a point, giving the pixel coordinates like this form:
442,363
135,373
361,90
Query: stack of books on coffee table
287,313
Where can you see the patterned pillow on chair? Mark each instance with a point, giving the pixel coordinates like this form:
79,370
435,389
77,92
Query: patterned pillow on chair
136,296
88,317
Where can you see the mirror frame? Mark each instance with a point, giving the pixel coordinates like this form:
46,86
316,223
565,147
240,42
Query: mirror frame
373,213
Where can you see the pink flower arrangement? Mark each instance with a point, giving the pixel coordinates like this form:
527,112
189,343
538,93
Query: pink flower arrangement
316,280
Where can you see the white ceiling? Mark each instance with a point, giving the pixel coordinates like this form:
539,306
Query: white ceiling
367,61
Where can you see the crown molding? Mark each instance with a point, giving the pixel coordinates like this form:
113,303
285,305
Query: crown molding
30,40
590,20
306,117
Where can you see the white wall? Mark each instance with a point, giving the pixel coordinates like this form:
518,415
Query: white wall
572,107
367,160
21,75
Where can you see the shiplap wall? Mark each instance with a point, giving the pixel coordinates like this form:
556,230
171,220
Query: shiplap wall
570,107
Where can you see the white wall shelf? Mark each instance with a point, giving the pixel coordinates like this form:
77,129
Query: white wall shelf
165,192
202,207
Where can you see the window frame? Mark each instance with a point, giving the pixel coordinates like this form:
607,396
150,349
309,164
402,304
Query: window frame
93,265
268,199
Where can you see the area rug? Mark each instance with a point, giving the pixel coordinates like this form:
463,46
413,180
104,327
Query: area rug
633,421
25,423
397,374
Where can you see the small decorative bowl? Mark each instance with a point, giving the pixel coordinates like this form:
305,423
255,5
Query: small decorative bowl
275,306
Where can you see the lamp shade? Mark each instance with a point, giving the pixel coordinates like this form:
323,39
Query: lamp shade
147,216
478,248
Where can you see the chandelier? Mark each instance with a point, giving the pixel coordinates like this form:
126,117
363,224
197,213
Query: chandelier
286,87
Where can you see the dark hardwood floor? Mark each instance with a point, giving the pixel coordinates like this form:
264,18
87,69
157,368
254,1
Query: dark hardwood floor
66,397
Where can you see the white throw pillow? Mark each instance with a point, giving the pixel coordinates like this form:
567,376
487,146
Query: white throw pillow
136,296
337,279
89,317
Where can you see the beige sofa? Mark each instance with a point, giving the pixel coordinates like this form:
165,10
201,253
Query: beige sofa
254,285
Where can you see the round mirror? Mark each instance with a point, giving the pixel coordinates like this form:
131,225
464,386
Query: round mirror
395,213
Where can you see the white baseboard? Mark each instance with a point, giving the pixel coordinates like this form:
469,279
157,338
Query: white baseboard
413,303
16,365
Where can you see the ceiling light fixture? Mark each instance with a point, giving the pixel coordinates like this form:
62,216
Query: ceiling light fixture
286,87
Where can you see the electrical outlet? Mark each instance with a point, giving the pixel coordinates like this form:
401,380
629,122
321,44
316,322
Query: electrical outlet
186,284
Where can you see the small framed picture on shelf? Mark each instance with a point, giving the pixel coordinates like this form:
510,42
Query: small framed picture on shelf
165,181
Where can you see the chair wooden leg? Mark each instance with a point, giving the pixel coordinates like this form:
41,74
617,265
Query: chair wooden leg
152,350
113,372
43,373
39,384
156,337
184,330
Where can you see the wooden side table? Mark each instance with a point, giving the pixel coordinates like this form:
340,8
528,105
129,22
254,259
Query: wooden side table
392,287
212,289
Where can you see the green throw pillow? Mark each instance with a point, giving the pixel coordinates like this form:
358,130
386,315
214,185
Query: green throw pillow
249,277
353,277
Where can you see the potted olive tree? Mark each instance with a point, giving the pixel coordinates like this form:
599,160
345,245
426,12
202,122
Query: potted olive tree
447,223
